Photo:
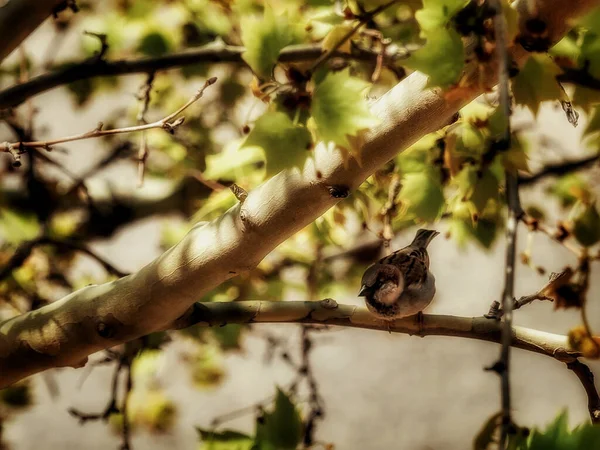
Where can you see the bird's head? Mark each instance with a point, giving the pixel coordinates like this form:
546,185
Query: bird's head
378,276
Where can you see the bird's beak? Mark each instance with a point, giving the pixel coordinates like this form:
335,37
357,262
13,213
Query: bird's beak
363,291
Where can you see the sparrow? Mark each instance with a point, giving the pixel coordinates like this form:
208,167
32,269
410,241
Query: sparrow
400,284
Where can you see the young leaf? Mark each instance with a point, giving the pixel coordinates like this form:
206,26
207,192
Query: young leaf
568,189
421,196
339,108
335,36
224,440
590,53
264,38
584,221
441,58
280,429
536,82
285,144
436,14
484,230
232,162
558,437
486,435
593,125
16,227
154,43
476,187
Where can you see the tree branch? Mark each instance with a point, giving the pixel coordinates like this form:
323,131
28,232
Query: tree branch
65,332
559,169
19,18
586,377
25,249
578,76
514,212
211,53
329,312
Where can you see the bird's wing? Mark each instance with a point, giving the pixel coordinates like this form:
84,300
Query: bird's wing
412,262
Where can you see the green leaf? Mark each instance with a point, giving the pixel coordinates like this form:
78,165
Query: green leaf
16,227
568,189
224,440
215,205
477,187
339,108
228,336
590,53
231,163
593,125
82,90
17,396
206,367
421,196
154,44
285,144
140,9
484,231
436,14
585,98
558,437
264,38
441,58
280,429
485,436
516,157
477,112
536,82
335,36
416,157
471,140
585,223
566,49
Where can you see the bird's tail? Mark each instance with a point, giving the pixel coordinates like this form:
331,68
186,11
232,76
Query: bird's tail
423,238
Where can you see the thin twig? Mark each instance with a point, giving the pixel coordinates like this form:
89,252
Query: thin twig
111,407
24,250
144,98
164,123
125,360
389,212
126,428
581,77
559,169
559,235
316,408
496,312
364,18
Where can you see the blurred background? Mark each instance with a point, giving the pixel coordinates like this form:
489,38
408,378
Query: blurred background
368,389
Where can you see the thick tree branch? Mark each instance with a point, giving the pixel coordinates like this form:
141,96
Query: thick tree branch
64,333
211,53
19,18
